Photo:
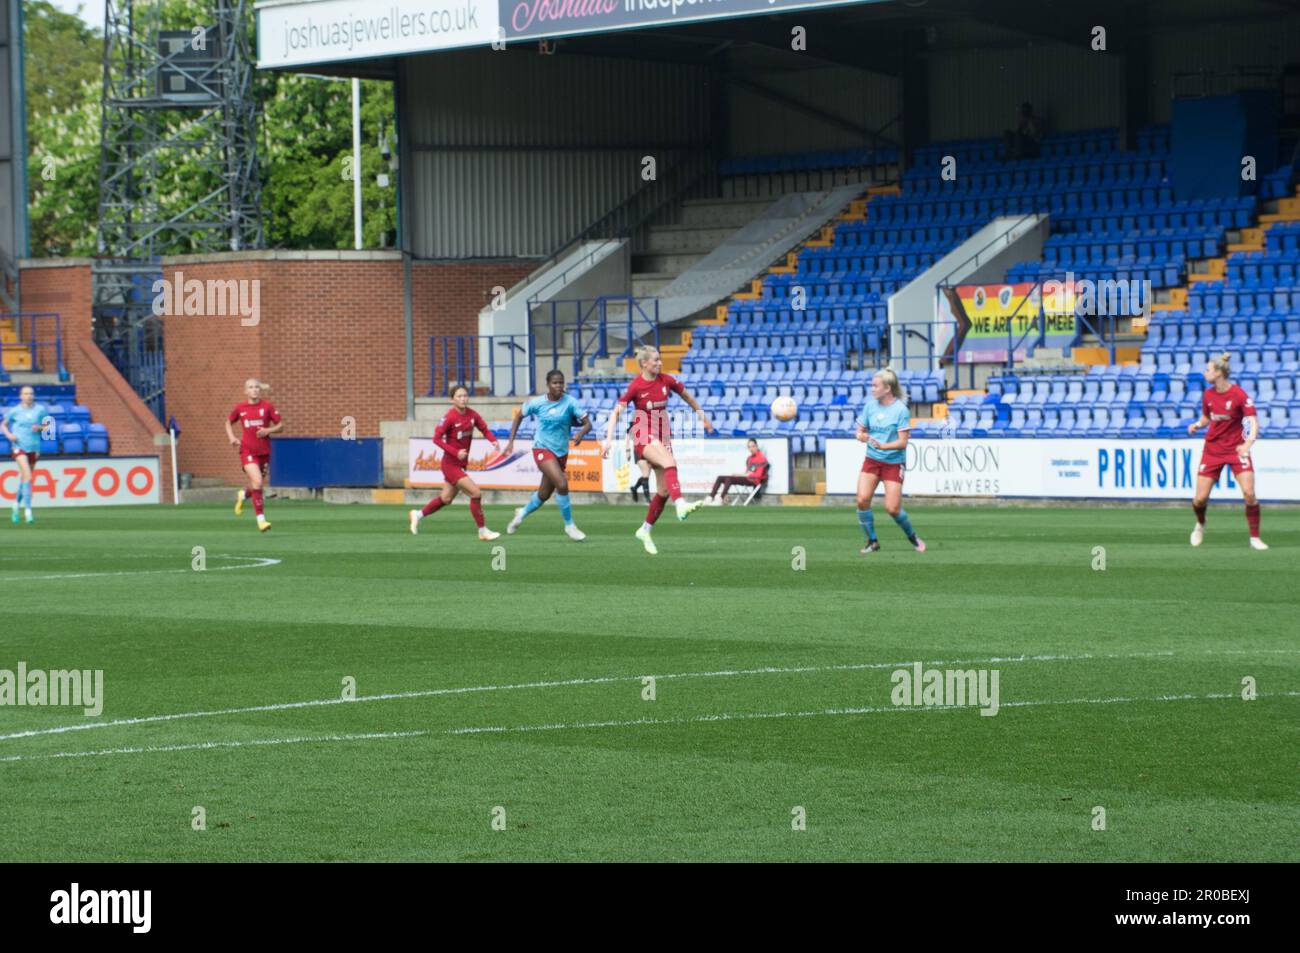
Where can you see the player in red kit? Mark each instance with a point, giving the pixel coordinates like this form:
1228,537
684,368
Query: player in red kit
454,436
1234,427
648,393
257,420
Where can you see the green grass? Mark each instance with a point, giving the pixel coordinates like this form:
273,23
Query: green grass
355,595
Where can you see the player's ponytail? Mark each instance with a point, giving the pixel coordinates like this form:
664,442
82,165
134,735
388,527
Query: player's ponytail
1223,364
891,381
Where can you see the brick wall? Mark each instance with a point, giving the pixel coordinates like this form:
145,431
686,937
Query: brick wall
64,286
330,342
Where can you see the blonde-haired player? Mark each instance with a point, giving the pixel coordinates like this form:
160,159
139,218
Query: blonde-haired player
258,420
1234,427
648,393
884,426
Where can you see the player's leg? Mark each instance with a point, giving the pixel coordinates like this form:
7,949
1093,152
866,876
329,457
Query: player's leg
470,488
24,496
253,471
1200,503
665,466
657,502
543,493
444,498
867,483
556,477
894,507
1246,480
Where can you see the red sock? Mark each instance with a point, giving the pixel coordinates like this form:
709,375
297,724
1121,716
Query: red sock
476,508
257,501
1199,510
1252,520
433,506
670,481
657,504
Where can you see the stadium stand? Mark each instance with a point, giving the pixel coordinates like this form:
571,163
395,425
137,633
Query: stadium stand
73,434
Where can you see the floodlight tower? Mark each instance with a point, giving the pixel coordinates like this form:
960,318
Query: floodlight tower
178,165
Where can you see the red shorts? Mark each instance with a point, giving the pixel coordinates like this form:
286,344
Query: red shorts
540,455
889,472
31,455
452,471
260,460
1212,464
638,449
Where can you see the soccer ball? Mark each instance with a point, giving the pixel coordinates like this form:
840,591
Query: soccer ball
784,408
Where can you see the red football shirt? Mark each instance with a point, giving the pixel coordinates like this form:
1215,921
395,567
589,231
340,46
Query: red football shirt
253,417
756,466
456,431
1227,413
650,398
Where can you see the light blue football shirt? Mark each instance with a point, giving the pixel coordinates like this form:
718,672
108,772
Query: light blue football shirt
555,420
884,423
20,420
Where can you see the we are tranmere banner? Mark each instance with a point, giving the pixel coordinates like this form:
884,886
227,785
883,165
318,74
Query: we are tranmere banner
990,320
1080,469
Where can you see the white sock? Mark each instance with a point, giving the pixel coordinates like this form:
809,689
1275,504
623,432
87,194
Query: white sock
646,527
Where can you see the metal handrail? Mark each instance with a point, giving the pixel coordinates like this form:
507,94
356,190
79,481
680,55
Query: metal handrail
34,343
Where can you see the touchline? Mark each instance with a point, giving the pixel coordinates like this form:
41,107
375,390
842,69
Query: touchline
103,906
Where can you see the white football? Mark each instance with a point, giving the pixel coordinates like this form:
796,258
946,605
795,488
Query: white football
784,408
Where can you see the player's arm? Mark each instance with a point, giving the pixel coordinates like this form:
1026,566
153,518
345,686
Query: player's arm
1251,424
486,431
230,433
440,438
613,422
4,428
519,415
1204,420
276,426
585,420
699,411
904,434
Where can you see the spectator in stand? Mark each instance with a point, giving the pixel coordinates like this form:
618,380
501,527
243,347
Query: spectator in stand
755,474
1026,141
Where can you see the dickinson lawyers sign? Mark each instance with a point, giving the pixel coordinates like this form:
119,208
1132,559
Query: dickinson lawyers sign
298,33
1096,469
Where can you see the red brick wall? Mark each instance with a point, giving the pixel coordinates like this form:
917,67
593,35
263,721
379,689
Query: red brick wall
132,429
329,343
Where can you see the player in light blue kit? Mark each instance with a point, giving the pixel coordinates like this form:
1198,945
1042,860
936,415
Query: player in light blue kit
884,426
557,414
22,427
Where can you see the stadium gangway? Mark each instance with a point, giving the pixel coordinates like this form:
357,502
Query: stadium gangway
635,322
26,327
455,359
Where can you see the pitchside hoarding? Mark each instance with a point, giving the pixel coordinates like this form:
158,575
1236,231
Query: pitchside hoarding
701,461
86,481
325,31
1081,469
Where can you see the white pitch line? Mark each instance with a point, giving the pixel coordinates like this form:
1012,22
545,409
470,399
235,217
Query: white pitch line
628,723
257,562
607,680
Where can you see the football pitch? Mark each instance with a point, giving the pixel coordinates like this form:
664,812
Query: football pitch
503,710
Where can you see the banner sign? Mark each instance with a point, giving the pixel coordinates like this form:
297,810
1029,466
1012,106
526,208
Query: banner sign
86,481
700,461
516,472
326,31
990,318
541,18
1082,469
